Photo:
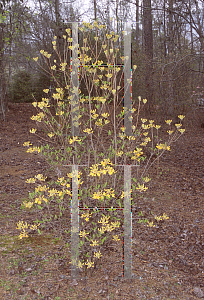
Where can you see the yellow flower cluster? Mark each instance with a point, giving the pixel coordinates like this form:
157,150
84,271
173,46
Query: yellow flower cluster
63,66
45,53
146,179
160,218
34,149
39,200
38,117
33,130
22,226
99,122
104,193
51,134
40,177
107,169
74,175
88,130
94,115
107,227
141,187
41,188
86,216
168,122
119,153
43,103
163,147
75,139
137,153
27,144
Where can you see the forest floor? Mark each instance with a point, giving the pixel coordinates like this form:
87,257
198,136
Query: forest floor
167,260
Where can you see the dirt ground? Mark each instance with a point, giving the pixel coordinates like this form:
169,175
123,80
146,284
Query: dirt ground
167,260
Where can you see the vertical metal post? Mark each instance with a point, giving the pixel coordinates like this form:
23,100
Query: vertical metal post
75,81
74,223
127,222
127,80
75,132
127,168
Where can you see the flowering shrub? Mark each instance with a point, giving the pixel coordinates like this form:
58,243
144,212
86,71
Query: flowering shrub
104,181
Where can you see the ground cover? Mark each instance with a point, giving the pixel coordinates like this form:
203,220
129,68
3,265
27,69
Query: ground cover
167,259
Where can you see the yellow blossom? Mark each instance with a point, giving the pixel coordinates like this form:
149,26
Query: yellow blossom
109,75
102,230
181,117
170,131
83,233
27,144
104,220
95,243
68,192
146,179
40,177
34,104
51,134
163,147
168,122
28,204
80,264
131,138
150,224
34,149
88,130
105,115
178,125
41,188
181,131
75,139
31,180
145,126
115,224
115,238
158,218
119,153
34,227
97,254
165,217
141,187
61,194
52,192
89,264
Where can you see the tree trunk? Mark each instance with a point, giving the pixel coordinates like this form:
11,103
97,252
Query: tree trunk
148,51
137,22
95,10
3,88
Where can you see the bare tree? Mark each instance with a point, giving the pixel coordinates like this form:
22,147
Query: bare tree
148,50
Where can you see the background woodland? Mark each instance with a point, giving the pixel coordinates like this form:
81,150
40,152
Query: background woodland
167,47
